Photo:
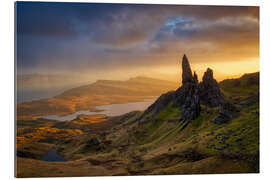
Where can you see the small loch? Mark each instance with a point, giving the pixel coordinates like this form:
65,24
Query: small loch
52,156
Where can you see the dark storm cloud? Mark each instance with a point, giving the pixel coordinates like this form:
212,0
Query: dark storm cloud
99,20
89,35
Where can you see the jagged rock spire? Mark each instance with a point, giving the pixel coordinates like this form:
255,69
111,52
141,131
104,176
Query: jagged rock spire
192,93
209,90
187,96
186,71
195,77
208,75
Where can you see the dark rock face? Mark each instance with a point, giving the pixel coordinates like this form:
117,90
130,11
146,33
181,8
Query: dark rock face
191,107
186,71
209,90
195,78
188,95
192,93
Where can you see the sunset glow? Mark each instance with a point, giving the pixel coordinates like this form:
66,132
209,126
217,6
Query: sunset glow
101,41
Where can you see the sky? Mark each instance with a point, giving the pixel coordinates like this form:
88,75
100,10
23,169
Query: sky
119,41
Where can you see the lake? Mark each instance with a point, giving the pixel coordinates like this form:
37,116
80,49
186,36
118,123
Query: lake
109,110
52,156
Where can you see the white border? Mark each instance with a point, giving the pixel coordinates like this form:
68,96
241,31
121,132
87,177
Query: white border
7,88
192,2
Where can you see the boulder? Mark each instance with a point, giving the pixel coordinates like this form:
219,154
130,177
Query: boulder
227,112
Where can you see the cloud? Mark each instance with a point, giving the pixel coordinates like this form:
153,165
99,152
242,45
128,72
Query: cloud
109,23
77,36
138,24
234,38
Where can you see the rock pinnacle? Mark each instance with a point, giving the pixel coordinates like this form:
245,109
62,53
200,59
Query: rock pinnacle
186,71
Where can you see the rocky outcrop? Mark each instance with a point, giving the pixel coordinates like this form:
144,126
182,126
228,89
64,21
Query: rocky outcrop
186,71
192,93
195,78
188,95
210,93
191,107
227,112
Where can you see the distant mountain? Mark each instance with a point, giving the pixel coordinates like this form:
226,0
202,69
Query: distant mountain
138,86
44,81
39,86
99,93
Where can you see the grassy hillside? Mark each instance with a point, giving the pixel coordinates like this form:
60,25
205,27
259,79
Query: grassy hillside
246,85
156,141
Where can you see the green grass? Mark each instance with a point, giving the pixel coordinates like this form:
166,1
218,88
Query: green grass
235,138
156,127
240,86
168,113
